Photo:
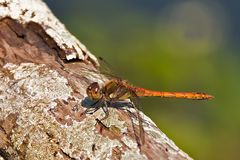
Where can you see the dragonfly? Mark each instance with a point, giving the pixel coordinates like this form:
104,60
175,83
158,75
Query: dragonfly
116,90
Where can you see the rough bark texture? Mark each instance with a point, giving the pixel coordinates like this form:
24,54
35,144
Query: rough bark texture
40,102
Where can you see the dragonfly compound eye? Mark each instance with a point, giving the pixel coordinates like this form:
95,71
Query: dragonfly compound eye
93,91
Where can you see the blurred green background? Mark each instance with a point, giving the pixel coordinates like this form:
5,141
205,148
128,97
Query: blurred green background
171,46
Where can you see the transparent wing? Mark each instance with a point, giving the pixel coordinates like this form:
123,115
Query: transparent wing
106,69
137,107
120,91
80,68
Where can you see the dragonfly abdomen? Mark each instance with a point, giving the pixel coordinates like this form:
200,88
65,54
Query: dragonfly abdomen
141,92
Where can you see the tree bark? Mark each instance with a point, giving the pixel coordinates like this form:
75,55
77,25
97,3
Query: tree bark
41,95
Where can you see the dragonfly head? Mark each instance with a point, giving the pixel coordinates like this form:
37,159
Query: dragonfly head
94,91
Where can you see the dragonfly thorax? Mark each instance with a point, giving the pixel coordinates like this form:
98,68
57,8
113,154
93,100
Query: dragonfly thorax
94,91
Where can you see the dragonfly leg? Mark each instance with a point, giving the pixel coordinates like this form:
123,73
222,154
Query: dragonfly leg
105,109
93,108
131,104
90,110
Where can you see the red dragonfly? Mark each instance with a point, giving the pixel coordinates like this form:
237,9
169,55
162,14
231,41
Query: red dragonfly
118,90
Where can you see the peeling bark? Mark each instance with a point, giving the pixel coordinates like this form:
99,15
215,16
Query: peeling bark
41,101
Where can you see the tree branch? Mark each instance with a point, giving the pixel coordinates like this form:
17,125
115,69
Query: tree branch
40,101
